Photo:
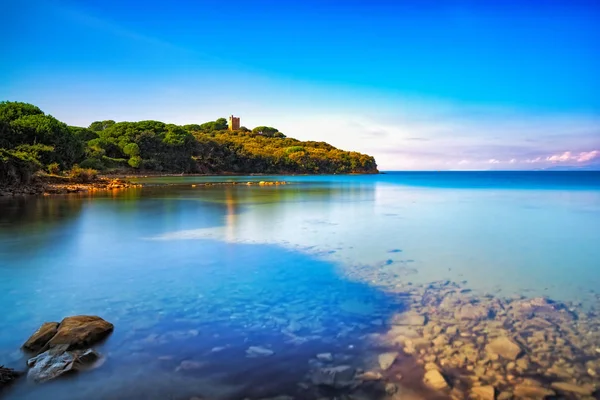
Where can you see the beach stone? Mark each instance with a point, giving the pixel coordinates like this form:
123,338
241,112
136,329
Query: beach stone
434,379
81,331
7,376
533,392
337,377
57,361
370,376
410,318
40,338
473,312
257,351
386,360
584,390
504,347
483,393
325,357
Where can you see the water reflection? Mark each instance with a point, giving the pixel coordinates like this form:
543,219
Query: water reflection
317,266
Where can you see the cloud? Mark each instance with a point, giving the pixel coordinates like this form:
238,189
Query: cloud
493,161
512,161
588,156
568,156
463,162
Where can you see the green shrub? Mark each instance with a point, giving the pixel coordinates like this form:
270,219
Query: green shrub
135,161
83,175
92,163
53,168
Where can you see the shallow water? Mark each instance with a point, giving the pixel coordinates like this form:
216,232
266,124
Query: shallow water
201,273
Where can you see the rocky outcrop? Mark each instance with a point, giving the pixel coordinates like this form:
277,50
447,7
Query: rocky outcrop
75,332
81,331
7,376
58,361
41,337
64,346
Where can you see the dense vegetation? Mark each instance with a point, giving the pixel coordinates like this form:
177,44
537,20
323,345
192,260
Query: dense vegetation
31,140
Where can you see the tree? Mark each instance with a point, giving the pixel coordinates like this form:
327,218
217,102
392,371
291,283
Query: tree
98,126
265,130
13,110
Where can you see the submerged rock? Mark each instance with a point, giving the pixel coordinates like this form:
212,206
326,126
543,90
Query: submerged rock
473,312
257,351
387,359
483,393
533,392
58,361
337,377
40,338
584,390
504,347
434,379
410,318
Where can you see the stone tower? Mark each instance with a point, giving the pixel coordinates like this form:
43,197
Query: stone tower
233,123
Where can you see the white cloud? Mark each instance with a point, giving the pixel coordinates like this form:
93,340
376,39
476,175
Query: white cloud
493,161
566,156
588,156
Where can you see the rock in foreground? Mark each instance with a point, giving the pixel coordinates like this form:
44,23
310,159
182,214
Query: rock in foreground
76,332
41,337
7,376
58,361
81,331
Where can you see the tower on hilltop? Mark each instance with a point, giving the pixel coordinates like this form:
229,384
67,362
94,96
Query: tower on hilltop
233,123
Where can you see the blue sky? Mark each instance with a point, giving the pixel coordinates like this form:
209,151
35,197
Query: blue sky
419,85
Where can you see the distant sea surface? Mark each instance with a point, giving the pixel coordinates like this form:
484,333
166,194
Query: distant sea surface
231,263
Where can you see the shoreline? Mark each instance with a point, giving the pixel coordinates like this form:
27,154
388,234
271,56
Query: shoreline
52,185
56,185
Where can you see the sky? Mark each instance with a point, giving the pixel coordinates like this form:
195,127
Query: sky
420,85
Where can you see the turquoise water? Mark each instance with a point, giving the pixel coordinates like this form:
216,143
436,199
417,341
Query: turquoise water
200,273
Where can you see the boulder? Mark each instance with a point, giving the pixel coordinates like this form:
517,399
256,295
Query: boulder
58,361
566,387
532,392
538,306
504,347
435,380
337,377
7,376
483,393
387,359
40,338
474,312
81,331
410,318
